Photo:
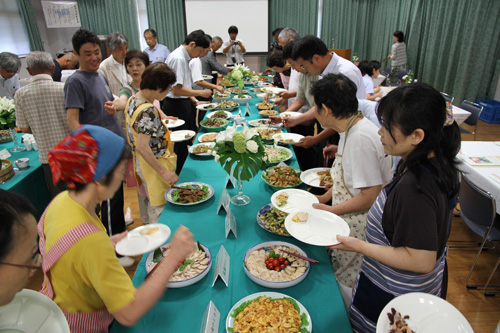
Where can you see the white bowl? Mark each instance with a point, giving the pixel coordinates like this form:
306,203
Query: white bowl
22,163
222,98
244,100
275,285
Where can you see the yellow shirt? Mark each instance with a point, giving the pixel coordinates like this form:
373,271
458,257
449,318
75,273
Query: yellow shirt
88,277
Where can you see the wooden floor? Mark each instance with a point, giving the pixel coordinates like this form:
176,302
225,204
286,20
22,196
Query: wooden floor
482,312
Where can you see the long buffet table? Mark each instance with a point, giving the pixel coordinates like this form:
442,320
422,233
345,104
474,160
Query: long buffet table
181,310
29,182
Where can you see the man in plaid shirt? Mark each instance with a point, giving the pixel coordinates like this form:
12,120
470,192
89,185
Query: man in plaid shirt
40,109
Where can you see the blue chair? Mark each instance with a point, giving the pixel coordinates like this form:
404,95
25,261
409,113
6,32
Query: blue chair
475,110
478,211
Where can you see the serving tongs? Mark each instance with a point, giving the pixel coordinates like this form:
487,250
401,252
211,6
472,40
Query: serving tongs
184,188
314,261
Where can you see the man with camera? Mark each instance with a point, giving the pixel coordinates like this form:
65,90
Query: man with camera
233,48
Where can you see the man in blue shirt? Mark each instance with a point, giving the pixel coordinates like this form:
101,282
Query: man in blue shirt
156,52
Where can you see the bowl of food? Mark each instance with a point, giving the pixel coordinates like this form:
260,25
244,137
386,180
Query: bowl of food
189,193
277,154
202,149
268,113
242,100
192,269
207,107
264,106
22,163
227,105
221,97
279,177
259,122
237,91
272,220
207,137
271,265
214,124
266,133
219,114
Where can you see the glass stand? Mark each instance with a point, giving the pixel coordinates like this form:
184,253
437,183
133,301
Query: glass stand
240,199
17,147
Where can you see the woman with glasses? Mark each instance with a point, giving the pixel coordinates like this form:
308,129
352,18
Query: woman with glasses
19,256
81,271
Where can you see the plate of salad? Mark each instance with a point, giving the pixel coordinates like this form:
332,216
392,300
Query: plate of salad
240,316
189,193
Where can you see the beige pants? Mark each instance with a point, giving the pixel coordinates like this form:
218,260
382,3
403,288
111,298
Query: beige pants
149,214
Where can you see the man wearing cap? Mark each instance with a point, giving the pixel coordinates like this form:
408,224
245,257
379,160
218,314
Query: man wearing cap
9,79
86,92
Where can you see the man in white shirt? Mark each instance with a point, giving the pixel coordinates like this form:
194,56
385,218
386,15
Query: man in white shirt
181,100
9,79
233,48
156,52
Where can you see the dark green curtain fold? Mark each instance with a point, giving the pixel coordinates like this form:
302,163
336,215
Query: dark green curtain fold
105,17
454,45
302,15
167,18
29,21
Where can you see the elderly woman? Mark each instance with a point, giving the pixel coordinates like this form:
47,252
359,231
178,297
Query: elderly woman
9,67
359,171
154,159
81,271
409,224
19,257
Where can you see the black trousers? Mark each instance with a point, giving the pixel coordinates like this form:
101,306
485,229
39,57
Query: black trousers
116,213
181,108
53,189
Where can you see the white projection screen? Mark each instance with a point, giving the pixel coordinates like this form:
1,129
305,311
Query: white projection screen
216,16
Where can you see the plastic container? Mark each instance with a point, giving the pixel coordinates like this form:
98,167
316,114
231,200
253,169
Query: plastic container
491,110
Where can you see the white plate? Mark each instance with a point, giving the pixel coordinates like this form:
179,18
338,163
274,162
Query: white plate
311,178
270,284
206,107
211,144
168,194
256,122
274,90
287,136
179,136
31,311
207,77
228,114
321,227
139,242
183,283
270,294
174,123
201,137
288,114
428,313
297,200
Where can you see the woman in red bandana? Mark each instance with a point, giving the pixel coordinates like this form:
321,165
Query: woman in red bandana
82,273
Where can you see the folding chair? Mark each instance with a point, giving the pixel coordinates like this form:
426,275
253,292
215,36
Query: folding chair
475,110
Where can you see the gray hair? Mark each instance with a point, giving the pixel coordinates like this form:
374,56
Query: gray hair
115,39
10,62
288,34
217,39
38,61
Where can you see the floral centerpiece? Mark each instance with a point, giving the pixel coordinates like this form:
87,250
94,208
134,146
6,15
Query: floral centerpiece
409,78
237,76
241,154
7,118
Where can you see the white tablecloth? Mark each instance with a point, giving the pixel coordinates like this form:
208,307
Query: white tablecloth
482,176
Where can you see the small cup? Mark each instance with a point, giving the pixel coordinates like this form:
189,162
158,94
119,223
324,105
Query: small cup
27,144
22,163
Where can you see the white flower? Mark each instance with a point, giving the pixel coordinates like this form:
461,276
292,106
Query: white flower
237,75
264,158
216,158
252,146
213,153
405,77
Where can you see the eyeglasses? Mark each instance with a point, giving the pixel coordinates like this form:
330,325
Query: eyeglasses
304,67
36,261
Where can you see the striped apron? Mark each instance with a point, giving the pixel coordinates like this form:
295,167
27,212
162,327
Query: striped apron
94,322
378,284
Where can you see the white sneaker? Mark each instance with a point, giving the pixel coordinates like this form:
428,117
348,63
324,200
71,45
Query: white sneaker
126,261
128,217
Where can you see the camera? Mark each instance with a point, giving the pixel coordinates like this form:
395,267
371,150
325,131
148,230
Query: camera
236,42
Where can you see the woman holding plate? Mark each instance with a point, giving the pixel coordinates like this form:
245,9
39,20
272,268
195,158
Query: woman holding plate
154,158
359,171
409,224
82,274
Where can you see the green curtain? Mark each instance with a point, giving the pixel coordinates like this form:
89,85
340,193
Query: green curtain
29,21
166,17
454,45
302,15
105,17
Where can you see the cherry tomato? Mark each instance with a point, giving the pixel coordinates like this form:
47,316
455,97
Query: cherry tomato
282,266
270,266
277,269
281,260
287,262
276,262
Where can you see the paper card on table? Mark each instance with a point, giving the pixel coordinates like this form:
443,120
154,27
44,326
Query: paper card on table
230,180
247,110
282,164
211,319
231,223
495,177
222,262
4,154
224,201
480,160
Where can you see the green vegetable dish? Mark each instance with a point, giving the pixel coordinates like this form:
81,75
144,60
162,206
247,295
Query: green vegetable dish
273,220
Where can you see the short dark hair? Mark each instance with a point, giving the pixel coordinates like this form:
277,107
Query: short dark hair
209,37
198,37
275,59
13,208
157,76
337,92
362,67
372,65
152,31
277,31
307,46
399,35
288,50
83,36
137,54
233,29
